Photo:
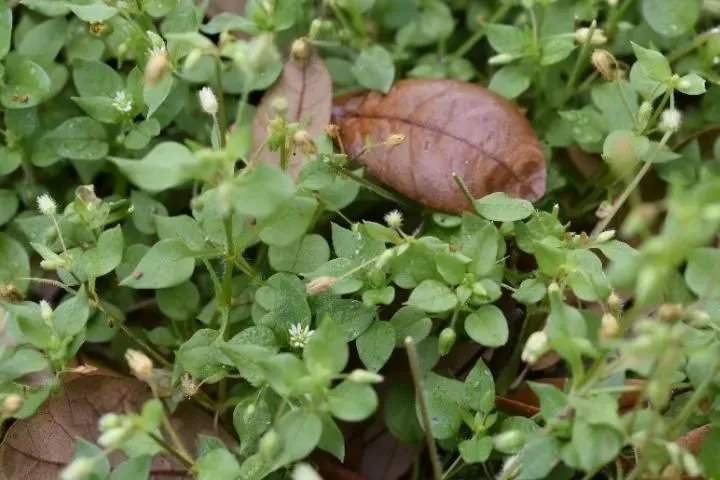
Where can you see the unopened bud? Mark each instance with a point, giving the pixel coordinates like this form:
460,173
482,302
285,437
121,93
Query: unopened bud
46,311
670,312
109,421
279,105
605,236
189,386
509,442
300,51
332,131
582,35
670,120
690,465
536,346
269,445
363,376
139,363
320,285
78,469
208,101
193,58
11,404
501,59
605,63
304,141
614,302
609,326
157,67
446,341
303,471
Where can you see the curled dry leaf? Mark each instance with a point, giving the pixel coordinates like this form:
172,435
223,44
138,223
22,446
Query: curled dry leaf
307,89
216,7
449,127
40,446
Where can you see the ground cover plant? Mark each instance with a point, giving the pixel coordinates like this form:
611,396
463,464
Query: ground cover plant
359,239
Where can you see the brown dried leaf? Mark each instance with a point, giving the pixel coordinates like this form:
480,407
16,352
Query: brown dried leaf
449,127
216,7
308,91
40,446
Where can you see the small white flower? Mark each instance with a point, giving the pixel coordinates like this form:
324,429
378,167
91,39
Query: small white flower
299,335
46,205
536,346
122,102
394,219
208,101
670,120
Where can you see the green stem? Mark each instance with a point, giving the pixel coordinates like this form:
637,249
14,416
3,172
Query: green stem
220,93
580,63
416,372
226,291
186,461
480,32
451,469
694,400
378,190
616,15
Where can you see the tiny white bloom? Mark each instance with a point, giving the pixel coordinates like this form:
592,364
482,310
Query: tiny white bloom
670,120
208,101
122,102
394,219
299,335
46,205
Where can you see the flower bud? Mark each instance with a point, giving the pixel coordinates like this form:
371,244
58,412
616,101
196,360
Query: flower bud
501,59
582,35
78,469
304,141
605,63
536,346
270,445
614,302
139,363
109,421
11,404
300,51
605,236
670,312
303,471
446,341
46,311
670,120
193,58
609,326
690,465
509,442
363,376
46,204
114,438
208,101
320,285
332,131
157,67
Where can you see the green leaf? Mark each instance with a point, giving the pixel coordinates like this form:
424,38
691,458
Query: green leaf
101,109
530,291
487,326
93,78
20,361
326,353
180,302
227,22
433,297
644,84
260,191
671,19
181,227
70,317
11,160
692,84
6,22
166,264
510,81
26,84
708,453
500,207
452,266
218,464
443,397
167,165
200,355
410,322
538,458
96,12
85,449
352,402
701,272
302,256
132,469
105,256
375,69
14,263
9,203
300,433
506,38
587,279
353,317
479,386
79,138
155,95
593,446
146,210
376,345
555,49
290,222
251,418
552,399
476,450
655,64
332,439
399,412
43,42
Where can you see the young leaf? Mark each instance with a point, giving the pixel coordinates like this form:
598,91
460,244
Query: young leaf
300,433
259,192
510,81
499,207
326,352
167,165
552,399
410,322
14,263
105,256
218,464
251,418
487,326
374,69
71,316
433,297
476,450
376,345
352,402
655,64
79,138
166,264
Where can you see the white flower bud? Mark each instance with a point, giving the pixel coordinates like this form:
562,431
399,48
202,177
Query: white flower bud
363,376
208,101
79,469
582,35
12,404
501,59
46,311
670,120
303,471
394,219
139,363
609,326
320,285
536,346
46,205
605,236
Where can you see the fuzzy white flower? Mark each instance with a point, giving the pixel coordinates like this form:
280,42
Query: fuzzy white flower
670,120
46,204
299,335
394,219
122,102
208,101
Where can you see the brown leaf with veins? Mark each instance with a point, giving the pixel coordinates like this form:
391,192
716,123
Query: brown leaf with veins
449,126
40,446
307,88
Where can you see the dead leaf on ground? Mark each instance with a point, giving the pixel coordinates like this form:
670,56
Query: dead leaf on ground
216,7
449,126
308,91
40,446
